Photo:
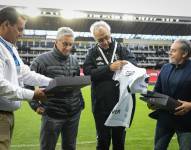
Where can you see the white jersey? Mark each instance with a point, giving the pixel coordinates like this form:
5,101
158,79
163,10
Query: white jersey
132,80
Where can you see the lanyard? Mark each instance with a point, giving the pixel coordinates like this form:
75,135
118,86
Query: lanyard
11,51
104,57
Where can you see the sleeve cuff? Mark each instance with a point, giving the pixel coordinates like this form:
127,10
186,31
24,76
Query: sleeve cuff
28,94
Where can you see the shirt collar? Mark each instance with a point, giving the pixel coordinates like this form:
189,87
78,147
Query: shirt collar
59,55
8,43
180,66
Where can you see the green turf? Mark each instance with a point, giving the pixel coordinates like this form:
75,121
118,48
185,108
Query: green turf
138,137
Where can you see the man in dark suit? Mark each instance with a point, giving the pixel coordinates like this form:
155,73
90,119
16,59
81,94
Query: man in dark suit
175,81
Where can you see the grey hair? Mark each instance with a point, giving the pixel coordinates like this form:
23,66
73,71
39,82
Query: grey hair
185,46
98,24
64,31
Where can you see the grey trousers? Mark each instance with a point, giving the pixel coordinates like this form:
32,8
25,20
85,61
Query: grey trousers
51,129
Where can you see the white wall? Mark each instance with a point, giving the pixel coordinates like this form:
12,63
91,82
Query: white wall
153,7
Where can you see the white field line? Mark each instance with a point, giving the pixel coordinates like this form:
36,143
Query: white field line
37,145
81,143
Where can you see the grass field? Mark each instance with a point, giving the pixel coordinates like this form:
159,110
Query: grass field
138,137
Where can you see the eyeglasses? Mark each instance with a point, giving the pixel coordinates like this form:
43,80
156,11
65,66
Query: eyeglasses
101,40
67,44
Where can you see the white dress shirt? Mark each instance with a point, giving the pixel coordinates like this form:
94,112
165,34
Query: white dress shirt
12,81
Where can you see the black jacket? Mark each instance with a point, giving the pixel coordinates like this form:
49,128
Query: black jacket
105,91
54,64
181,90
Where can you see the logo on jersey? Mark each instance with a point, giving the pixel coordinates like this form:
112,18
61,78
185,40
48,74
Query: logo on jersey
143,86
116,111
129,73
100,63
98,58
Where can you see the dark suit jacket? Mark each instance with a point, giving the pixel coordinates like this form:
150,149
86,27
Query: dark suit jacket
182,92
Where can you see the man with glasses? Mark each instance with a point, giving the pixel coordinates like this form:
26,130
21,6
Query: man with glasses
101,62
61,113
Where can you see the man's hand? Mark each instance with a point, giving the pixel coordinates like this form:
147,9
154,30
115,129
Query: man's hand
183,109
40,110
39,95
117,65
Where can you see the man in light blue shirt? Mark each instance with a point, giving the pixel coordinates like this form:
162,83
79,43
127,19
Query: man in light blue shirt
14,74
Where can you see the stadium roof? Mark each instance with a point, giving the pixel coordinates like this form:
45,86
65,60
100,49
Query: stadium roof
149,7
126,27
127,23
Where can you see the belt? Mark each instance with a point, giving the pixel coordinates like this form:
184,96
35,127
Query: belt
6,112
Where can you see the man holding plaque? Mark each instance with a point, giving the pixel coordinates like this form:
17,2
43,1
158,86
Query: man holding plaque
175,81
14,74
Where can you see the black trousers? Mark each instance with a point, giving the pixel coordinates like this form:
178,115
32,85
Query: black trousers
107,134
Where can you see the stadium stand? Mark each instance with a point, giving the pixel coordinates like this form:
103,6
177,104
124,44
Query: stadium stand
147,52
147,36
